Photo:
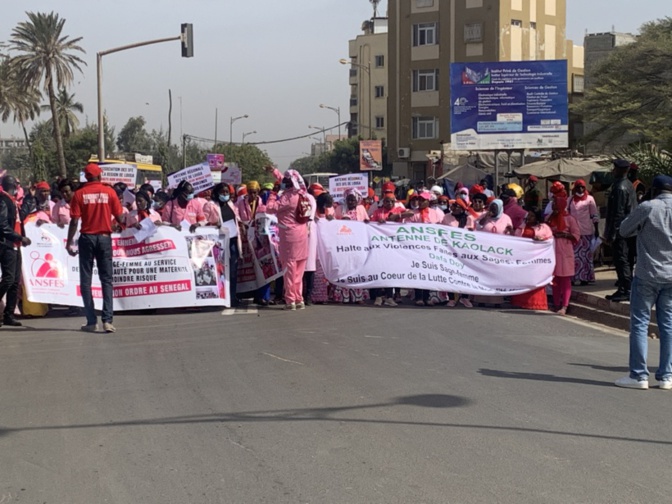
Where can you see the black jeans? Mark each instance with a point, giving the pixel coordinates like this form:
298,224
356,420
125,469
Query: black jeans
233,270
98,247
388,292
10,263
622,259
308,282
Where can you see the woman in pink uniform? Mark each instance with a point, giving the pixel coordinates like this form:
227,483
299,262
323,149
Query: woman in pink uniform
567,233
293,247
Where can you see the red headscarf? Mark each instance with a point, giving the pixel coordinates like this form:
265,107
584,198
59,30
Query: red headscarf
558,190
476,189
557,219
580,183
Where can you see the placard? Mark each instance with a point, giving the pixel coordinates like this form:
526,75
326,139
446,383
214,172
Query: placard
113,173
338,185
198,176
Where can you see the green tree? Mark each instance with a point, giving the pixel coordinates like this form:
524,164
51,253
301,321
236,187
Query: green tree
250,158
46,56
17,100
651,160
133,137
308,164
633,89
66,106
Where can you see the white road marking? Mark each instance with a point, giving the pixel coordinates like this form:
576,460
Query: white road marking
283,360
240,311
597,327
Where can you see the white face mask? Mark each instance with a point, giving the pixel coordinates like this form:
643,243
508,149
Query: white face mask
443,207
415,206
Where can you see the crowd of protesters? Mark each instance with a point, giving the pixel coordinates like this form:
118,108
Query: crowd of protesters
570,216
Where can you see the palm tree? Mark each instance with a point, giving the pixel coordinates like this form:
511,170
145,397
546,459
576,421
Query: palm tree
66,106
21,102
45,56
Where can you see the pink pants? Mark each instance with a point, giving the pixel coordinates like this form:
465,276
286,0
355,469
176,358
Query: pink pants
294,281
562,291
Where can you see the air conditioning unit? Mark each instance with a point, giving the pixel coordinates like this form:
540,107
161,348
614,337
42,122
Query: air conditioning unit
403,153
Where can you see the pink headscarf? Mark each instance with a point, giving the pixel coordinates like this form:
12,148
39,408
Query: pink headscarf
297,180
463,193
355,193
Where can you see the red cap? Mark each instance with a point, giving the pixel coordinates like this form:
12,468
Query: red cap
42,185
242,190
634,167
389,187
533,178
92,171
316,189
580,182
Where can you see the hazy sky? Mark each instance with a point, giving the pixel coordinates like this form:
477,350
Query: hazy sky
274,60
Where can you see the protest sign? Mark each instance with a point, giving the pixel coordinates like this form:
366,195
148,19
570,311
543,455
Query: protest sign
215,162
232,174
433,257
198,176
113,173
259,263
370,155
338,185
169,269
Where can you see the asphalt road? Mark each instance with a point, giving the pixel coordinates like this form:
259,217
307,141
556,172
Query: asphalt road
333,404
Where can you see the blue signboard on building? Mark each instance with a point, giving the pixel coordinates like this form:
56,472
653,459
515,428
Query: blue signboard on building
509,105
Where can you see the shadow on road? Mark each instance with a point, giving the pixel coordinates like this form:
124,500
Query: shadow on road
542,377
615,369
331,415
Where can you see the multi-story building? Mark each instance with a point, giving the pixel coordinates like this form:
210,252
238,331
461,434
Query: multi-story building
598,47
368,81
426,36
12,143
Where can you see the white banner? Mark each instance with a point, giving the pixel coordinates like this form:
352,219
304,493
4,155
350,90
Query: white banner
338,185
433,257
113,173
169,269
198,176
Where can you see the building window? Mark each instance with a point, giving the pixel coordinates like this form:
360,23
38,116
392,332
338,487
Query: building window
577,83
380,61
533,25
425,34
473,32
517,22
380,122
379,91
425,127
425,80
420,4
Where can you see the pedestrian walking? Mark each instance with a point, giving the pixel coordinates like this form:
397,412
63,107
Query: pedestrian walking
11,238
96,205
651,222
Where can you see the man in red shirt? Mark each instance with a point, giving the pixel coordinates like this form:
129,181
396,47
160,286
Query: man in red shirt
95,204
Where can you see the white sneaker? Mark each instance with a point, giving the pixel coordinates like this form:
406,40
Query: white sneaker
466,303
378,301
665,384
290,306
627,382
389,302
301,306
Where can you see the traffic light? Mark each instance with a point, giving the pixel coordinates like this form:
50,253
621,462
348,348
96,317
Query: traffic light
187,40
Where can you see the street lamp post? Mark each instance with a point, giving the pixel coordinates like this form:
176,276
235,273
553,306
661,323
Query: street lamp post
367,68
234,119
338,111
245,135
187,43
324,134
